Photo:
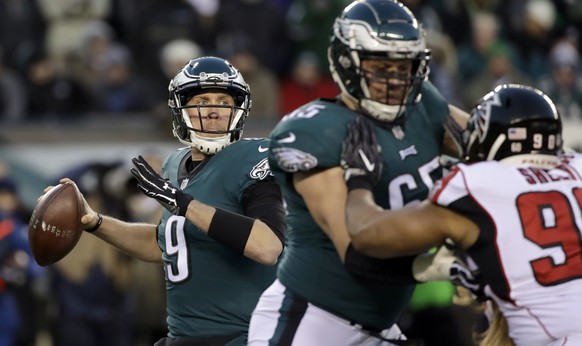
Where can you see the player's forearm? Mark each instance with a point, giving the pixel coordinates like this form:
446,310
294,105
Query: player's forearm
135,239
263,245
454,126
250,237
361,210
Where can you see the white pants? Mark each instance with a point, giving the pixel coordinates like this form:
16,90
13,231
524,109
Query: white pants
278,320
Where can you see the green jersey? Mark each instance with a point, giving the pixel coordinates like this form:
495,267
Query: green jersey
210,289
311,138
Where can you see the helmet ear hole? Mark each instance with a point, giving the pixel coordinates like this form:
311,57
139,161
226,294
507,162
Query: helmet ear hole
239,99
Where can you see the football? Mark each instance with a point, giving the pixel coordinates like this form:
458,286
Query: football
55,225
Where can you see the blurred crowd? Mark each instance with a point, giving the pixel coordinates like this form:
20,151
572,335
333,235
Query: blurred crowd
63,59
96,295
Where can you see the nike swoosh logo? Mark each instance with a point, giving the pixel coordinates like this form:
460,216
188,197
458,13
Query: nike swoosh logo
262,150
369,165
288,139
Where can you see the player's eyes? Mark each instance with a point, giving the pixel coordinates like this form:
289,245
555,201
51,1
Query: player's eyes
207,103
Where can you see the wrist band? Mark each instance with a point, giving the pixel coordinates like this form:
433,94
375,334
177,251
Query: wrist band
360,182
97,225
230,229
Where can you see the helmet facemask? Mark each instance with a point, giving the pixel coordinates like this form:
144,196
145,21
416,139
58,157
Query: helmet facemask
398,90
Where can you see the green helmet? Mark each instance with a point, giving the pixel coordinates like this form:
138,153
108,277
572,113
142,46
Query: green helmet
380,30
202,73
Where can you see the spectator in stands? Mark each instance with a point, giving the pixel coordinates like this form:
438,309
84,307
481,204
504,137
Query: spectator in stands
474,55
262,81
66,23
52,95
456,16
306,83
533,36
151,24
564,83
98,40
260,22
500,70
12,94
444,66
18,271
22,30
305,20
118,89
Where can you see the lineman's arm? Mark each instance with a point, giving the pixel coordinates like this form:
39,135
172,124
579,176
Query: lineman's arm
324,193
454,125
411,230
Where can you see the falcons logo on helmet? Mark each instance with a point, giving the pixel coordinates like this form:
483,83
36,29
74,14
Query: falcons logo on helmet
484,114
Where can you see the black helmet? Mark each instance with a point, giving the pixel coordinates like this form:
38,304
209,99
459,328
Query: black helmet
208,73
512,120
382,30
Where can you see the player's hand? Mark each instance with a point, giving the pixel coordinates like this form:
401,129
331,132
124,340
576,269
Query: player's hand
89,218
361,156
433,266
463,276
154,186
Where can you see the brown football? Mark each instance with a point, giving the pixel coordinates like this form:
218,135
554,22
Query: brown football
55,225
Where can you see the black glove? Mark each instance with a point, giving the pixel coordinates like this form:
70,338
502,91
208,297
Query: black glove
154,186
361,155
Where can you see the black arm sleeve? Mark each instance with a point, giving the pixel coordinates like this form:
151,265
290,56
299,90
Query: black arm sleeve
370,270
264,201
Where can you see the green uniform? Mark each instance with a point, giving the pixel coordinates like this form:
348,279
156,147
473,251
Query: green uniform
311,138
212,290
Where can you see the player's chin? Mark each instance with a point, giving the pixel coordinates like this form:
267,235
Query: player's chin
213,135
